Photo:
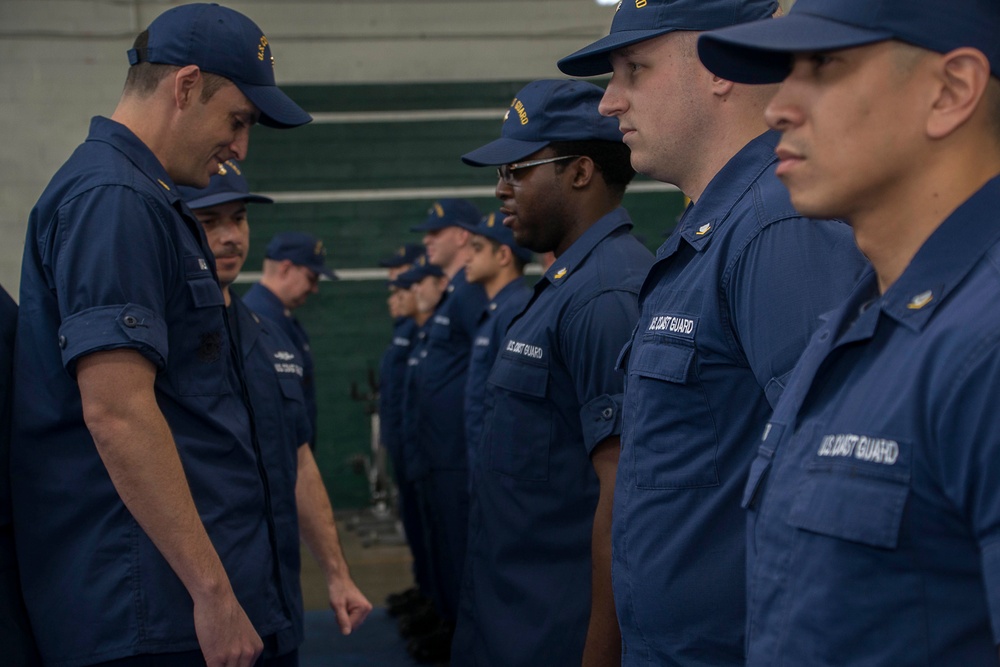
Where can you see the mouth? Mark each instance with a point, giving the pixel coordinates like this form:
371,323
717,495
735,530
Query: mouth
509,216
788,159
627,132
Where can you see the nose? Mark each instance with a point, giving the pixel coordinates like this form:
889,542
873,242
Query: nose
503,191
784,111
427,240
613,102
241,144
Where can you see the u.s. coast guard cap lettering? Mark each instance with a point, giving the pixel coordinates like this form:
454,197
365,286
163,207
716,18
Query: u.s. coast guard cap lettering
222,41
545,111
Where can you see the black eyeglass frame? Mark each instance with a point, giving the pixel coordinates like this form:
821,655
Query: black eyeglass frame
505,172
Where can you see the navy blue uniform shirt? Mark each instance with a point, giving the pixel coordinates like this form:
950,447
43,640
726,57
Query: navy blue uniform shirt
734,295
552,396
493,323
440,376
274,382
392,380
264,302
115,260
875,496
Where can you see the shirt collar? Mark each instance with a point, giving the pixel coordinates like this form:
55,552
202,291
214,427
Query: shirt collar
945,258
577,253
506,292
124,140
702,219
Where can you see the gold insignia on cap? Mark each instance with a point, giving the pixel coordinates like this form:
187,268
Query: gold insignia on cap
260,48
319,249
920,300
165,186
704,229
438,210
222,169
490,221
561,273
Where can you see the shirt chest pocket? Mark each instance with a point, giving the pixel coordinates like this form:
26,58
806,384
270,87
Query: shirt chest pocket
850,501
202,341
673,445
521,432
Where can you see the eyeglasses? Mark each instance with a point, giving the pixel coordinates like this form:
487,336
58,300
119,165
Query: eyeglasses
506,172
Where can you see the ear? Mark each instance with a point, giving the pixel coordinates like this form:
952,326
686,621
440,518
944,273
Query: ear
962,78
582,170
462,236
505,256
187,85
721,87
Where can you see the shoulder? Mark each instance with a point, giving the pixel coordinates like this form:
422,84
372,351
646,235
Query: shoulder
618,263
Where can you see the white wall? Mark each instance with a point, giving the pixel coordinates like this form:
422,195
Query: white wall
63,61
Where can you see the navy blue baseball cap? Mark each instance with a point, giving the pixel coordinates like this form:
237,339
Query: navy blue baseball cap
301,249
226,186
405,254
638,20
491,226
421,269
222,41
546,111
760,52
448,213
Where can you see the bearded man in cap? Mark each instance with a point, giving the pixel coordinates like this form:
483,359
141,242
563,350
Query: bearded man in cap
874,502
725,313
141,506
542,506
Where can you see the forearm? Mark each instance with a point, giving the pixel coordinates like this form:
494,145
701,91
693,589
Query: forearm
138,450
603,645
317,524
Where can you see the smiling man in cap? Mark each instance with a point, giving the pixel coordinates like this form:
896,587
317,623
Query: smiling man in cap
541,511
875,498
725,312
142,514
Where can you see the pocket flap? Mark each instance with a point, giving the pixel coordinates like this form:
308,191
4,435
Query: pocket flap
858,508
662,358
205,292
520,377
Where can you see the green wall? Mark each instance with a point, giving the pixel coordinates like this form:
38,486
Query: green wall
347,321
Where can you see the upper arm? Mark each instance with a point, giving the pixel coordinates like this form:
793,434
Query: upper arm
789,274
114,386
109,259
591,341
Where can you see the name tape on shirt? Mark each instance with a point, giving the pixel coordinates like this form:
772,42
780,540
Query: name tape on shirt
677,325
860,447
531,351
399,341
442,320
482,341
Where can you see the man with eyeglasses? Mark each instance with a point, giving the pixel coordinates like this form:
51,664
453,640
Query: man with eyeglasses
293,264
553,398
725,313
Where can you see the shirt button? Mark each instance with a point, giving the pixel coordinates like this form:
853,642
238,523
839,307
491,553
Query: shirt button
824,335
607,413
130,321
62,342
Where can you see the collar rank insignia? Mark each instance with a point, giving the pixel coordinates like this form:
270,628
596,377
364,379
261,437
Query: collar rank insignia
704,229
920,300
561,273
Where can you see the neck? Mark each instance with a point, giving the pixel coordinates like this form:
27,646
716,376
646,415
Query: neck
457,262
226,296
143,118
740,120
421,318
274,287
902,215
505,277
584,217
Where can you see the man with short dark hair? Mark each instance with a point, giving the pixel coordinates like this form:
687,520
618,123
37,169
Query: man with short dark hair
497,263
725,312
273,374
141,506
542,504
293,264
875,496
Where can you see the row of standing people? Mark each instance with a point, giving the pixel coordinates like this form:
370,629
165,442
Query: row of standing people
772,378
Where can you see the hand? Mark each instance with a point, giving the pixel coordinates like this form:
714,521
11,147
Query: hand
225,634
349,604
